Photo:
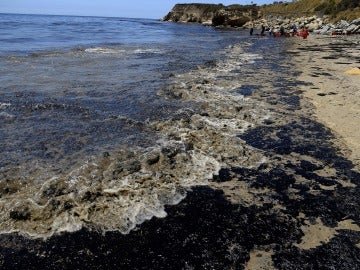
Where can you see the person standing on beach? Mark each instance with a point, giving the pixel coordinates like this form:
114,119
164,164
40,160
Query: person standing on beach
262,30
252,30
304,33
294,30
282,31
271,31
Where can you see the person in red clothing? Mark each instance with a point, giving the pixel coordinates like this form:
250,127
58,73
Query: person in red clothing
303,33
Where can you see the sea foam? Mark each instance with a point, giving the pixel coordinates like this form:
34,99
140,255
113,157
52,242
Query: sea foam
120,190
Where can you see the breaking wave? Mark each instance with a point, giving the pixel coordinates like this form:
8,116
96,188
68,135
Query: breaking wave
124,187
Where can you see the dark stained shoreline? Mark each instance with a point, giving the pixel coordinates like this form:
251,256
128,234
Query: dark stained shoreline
206,230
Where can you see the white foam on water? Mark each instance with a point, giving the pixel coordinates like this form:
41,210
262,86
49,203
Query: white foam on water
103,50
131,185
66,223
228,126
4,106
7,116
151,51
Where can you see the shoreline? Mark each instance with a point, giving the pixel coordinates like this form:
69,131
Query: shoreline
248,217
334,93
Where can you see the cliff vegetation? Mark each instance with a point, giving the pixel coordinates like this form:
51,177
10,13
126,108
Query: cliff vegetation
336,9
239,15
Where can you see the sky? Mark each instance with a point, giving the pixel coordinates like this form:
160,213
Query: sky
152,9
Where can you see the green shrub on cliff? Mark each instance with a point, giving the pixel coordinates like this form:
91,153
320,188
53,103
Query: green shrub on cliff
337,9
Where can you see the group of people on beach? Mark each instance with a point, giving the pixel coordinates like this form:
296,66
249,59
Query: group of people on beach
282,32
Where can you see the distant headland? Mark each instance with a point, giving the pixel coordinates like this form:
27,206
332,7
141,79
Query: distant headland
323,17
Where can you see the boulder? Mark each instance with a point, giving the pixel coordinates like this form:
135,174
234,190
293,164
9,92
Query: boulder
352,29
356,22
342,24
325,29
313,26
238,22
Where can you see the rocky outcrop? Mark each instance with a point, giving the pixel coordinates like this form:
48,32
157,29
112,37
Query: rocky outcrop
340,28
317,25
215,15
200,13
251,16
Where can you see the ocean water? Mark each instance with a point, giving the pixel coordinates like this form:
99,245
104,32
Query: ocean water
104,121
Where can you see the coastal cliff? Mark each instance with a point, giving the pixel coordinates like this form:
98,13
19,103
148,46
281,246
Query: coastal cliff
317,16
211,14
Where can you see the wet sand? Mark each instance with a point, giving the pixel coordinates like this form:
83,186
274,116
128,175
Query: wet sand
297,209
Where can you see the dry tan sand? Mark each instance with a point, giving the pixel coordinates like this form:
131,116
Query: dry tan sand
331,64
316,233
330,68
260,260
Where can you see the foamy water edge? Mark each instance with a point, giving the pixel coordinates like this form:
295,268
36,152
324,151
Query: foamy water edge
124,188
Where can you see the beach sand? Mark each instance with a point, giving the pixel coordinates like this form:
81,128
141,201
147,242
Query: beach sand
330,85
333,69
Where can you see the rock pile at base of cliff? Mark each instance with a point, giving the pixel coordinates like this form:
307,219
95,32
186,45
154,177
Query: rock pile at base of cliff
315,24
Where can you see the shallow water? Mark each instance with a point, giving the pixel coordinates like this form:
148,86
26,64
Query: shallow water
104,121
